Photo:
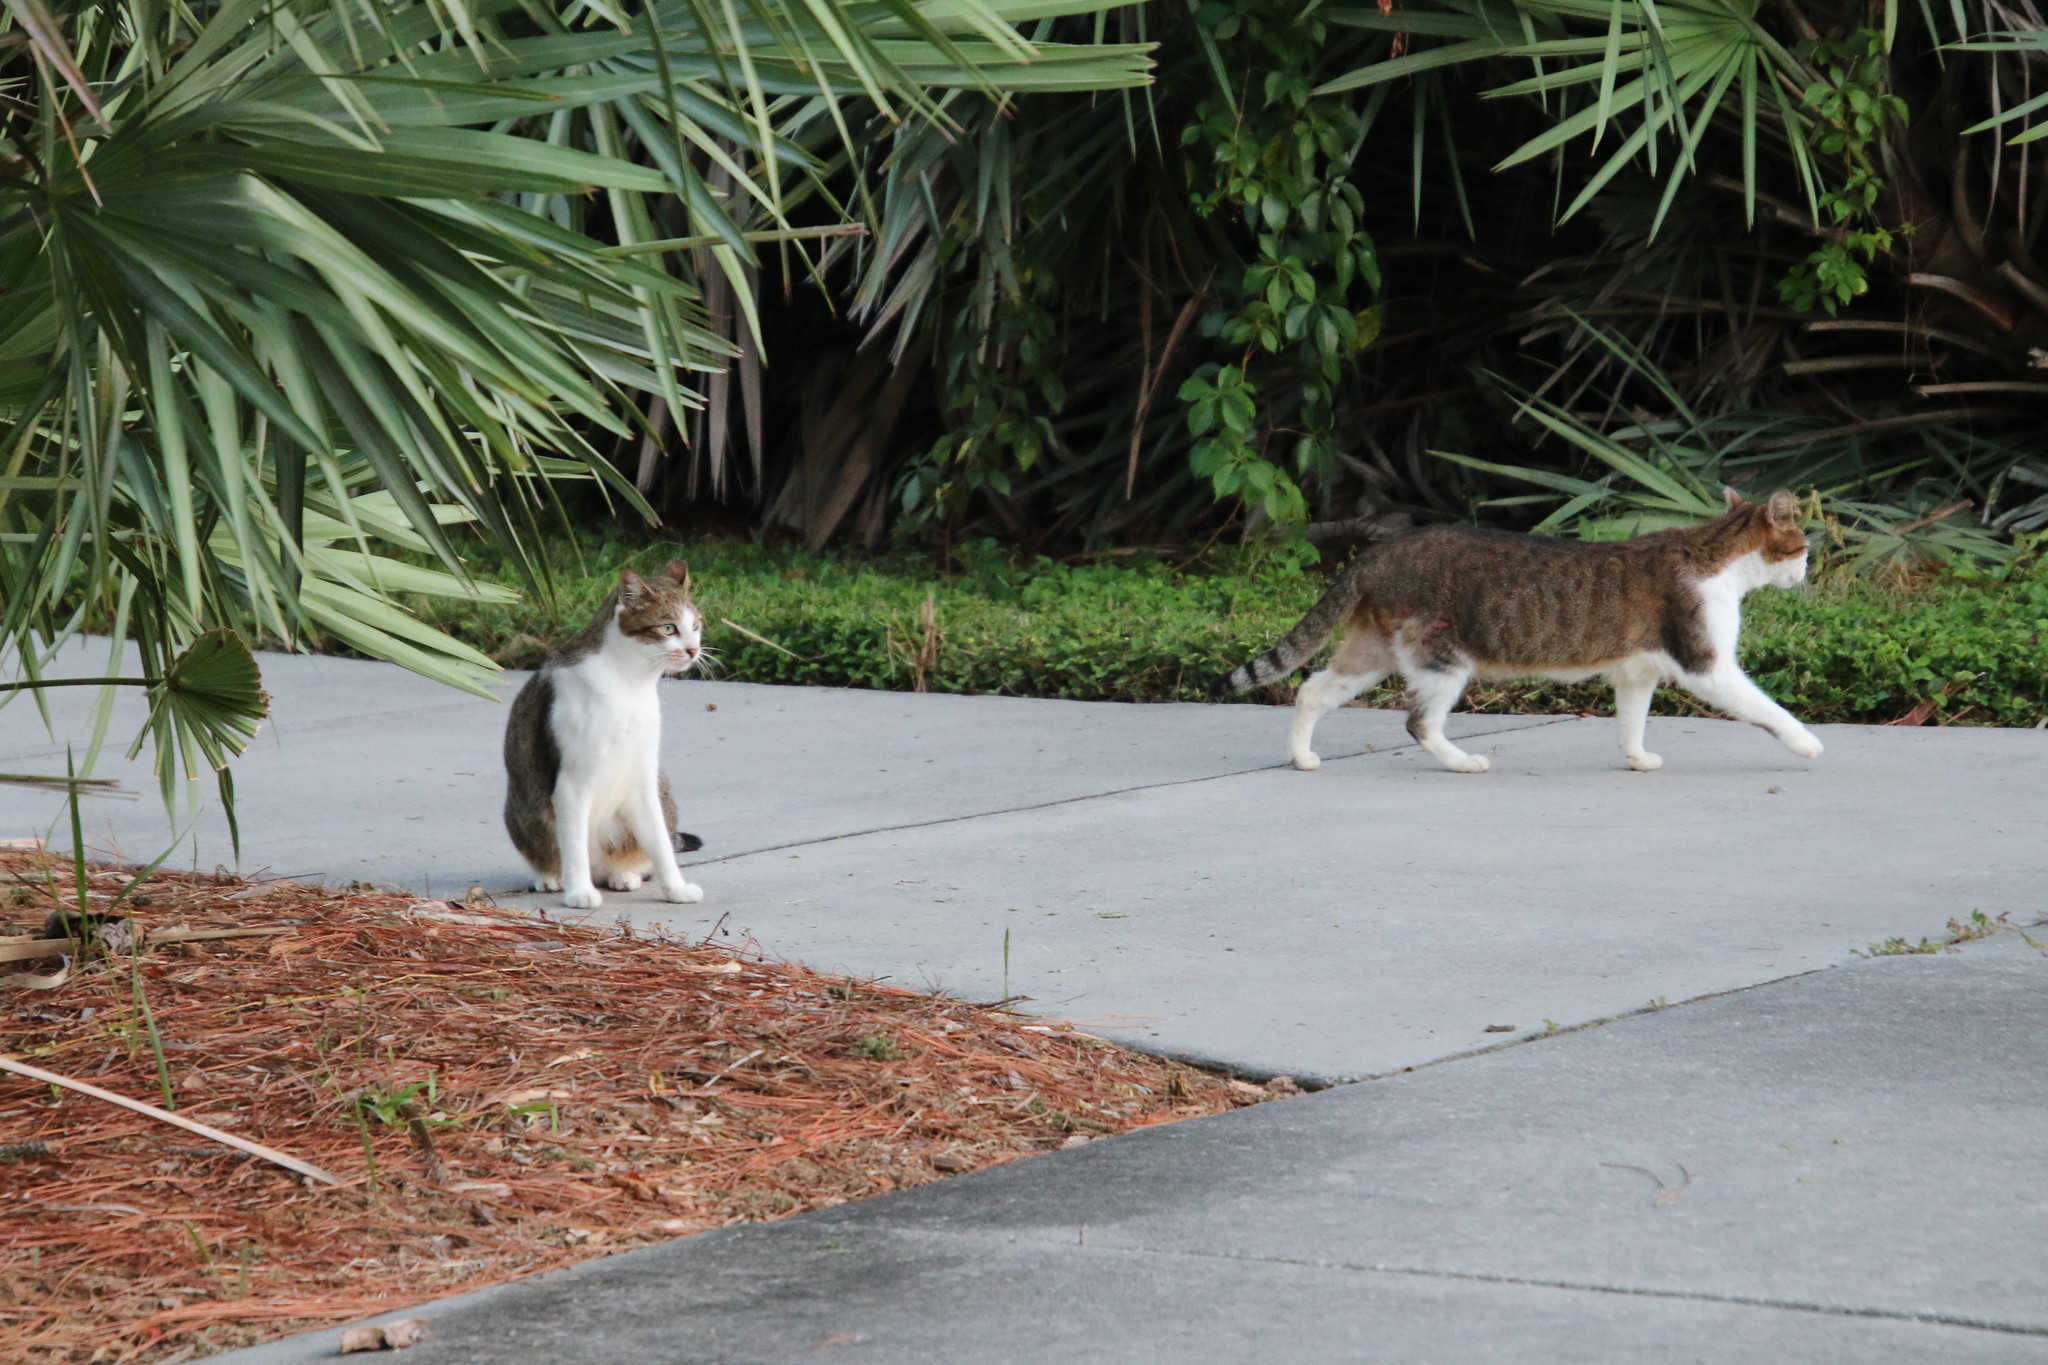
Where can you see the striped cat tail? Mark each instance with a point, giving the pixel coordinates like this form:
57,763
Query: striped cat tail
1299,645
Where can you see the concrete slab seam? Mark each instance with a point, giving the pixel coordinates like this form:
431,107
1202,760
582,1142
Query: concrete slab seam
1539,1035
1312,1081
1095,796
1585,1287
1697,1296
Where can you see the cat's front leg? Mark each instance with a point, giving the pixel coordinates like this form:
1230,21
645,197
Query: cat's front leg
572,840
1729,688
1633,688
657,840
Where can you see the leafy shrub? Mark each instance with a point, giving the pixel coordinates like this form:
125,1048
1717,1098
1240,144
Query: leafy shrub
1974,643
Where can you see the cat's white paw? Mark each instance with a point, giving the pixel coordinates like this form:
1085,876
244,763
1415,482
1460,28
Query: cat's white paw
582,898
623,881
547,883
1307,761
683,893
1803,744
1645,762
1470,763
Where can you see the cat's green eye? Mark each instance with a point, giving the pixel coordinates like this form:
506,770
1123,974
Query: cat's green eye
669,629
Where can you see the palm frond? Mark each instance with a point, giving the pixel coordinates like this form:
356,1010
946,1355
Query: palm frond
1655,74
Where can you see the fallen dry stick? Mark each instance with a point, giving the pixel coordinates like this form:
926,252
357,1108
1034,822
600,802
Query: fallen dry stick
290,1163
29,950
29,981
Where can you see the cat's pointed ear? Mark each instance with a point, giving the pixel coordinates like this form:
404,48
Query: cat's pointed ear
632,587
1783,508
1730,496
679,574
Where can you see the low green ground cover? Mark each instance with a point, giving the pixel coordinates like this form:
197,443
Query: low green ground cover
1149,628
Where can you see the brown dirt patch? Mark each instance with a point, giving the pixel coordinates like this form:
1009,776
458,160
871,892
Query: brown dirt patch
499,1094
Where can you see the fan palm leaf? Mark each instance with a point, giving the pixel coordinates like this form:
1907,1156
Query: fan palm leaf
1658,73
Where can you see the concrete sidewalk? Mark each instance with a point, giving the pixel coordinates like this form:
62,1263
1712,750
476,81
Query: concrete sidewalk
1156,873
1846,1167
1803,1165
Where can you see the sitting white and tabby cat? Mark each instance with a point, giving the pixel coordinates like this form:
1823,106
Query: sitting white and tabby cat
585,799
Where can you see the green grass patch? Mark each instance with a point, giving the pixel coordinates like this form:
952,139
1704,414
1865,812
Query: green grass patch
1151,628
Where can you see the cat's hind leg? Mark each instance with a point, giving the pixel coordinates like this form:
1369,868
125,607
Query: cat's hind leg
620,863
1437,672
1729,688
1361,661
1432,694
1635,682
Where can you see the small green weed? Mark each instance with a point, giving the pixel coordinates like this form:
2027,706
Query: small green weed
401,1107
394,1107
369,1146
1060,1118
877,1047
200,1248
1898,947
1978,925
552,1110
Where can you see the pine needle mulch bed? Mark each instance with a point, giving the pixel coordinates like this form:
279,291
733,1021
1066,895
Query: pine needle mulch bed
499,1094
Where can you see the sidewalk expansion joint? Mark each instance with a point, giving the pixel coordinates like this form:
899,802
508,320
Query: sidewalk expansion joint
1936,1319
1563,1030
1094,796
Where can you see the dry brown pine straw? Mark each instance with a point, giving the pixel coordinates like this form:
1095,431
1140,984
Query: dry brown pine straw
500,1095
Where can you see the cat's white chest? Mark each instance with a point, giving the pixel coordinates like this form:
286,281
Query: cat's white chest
1721,600
608,728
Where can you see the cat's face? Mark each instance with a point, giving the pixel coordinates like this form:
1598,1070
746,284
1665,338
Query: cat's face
658,620
1784,541
1776,537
